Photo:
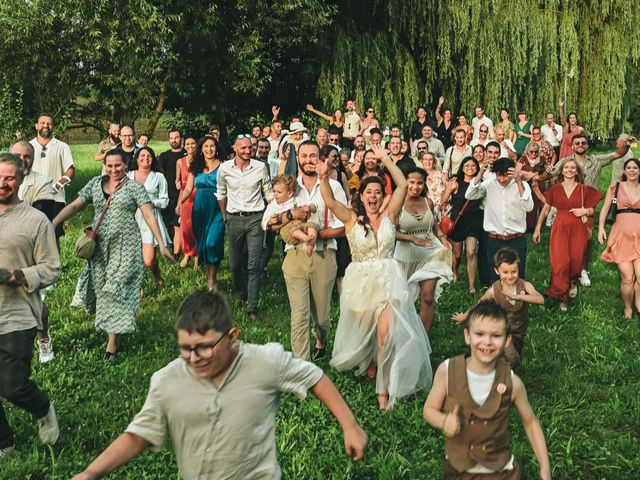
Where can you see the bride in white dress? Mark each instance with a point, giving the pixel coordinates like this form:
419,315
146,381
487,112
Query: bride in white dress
378,322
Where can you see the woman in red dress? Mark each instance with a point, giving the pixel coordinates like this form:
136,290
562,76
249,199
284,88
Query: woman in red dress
571,129
188,241
575,203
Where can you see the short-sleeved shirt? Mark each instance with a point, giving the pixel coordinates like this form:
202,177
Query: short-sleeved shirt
226,431
592,167
52,160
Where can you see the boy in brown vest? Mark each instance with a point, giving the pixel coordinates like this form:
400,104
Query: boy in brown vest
470,402
514,295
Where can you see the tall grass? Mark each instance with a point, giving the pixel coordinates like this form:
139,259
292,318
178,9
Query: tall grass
581,370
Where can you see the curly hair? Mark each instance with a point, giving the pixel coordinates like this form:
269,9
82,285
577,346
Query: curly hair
289,182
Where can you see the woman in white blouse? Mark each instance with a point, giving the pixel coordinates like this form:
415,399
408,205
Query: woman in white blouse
146,171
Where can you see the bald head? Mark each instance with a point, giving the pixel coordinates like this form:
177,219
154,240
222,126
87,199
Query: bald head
25,151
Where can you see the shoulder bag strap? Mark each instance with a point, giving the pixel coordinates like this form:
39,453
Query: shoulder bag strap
106,205
461,212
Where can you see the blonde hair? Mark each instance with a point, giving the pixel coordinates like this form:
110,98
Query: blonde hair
562,163
289,182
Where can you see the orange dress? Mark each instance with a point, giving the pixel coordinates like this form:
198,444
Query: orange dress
569,236
186,225
623,244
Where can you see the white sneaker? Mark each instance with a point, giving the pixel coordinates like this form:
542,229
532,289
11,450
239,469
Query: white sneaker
45,348
48,427
585,281
6,452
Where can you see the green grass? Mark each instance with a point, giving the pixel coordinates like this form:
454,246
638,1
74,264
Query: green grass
581,370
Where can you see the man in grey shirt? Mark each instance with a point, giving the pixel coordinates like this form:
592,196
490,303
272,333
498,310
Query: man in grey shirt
219,399
29,261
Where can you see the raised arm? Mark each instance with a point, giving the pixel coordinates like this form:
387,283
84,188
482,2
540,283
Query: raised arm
120,452
397,197
563,120
439,117
343,213
319,113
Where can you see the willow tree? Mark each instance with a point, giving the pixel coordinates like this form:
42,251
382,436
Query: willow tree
396,54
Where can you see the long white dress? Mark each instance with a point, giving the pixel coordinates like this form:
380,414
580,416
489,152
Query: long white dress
372,281
422,263
156,187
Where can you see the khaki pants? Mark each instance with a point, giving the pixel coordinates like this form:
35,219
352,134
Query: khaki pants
309,283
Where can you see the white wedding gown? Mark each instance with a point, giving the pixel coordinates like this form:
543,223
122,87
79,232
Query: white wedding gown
372,281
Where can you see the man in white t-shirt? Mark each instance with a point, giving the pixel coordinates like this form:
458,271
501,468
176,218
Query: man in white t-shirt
352,124
481,119
53,159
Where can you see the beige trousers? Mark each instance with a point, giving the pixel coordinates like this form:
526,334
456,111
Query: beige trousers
309,283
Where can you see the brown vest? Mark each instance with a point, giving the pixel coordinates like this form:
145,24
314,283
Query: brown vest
518,313
484,437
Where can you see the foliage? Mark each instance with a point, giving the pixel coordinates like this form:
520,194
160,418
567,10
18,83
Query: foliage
581,370
514,53
104,60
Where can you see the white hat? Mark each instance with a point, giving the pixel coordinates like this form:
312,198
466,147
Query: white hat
296,127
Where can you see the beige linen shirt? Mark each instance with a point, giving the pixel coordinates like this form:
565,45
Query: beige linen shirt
36,187
28,243
224,432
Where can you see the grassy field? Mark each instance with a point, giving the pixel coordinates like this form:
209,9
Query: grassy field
581,369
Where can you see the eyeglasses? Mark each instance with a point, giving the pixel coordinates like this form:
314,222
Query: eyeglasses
202,350
533,151
483,131
43,152
243,135
370,111
580,143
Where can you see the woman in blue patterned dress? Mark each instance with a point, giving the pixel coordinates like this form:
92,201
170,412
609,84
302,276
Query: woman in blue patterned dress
206,217
109,286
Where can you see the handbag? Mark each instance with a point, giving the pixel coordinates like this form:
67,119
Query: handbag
86,244
447,226
584,218
613,209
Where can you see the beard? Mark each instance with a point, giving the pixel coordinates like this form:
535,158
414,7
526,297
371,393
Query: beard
45,133
114,139
309,171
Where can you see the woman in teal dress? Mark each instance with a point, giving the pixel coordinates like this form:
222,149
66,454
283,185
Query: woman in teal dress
522,128
110,284
206,216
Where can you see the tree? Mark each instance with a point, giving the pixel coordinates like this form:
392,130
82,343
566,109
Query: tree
94,61
398,53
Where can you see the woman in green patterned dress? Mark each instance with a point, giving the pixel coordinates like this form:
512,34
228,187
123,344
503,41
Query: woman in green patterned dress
109,286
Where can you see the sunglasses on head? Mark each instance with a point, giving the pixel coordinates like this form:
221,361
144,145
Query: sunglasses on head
244,135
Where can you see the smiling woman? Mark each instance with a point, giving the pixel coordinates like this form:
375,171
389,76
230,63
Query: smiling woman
109,286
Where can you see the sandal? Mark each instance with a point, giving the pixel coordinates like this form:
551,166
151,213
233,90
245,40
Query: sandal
109,356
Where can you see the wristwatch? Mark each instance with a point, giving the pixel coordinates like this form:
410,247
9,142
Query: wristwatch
289,215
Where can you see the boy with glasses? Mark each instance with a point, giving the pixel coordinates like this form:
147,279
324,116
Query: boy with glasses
219,400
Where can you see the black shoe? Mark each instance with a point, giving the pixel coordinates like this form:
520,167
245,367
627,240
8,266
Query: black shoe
109,356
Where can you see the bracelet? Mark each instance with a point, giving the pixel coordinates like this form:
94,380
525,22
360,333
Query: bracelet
68,179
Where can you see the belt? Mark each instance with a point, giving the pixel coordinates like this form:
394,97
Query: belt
513,236
245,214
629,210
